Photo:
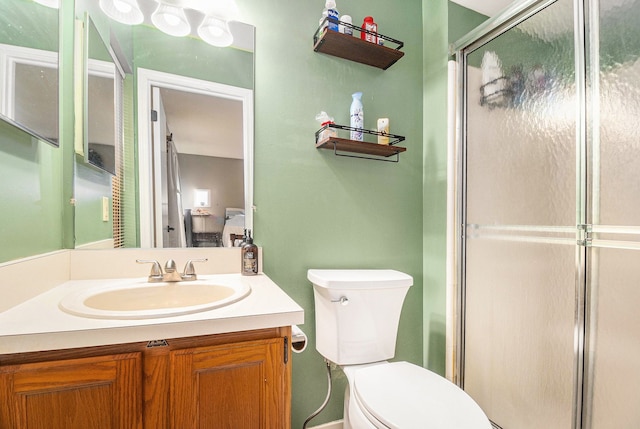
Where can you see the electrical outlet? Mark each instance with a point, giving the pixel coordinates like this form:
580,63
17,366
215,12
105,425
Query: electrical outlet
105,209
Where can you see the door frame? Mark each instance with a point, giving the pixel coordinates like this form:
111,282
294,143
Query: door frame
147,78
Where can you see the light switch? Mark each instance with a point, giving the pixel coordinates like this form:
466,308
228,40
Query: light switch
105,209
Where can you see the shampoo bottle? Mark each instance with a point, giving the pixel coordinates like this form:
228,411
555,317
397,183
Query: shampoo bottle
249,257
357,117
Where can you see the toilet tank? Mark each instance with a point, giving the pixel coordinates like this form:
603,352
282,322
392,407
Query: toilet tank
357,313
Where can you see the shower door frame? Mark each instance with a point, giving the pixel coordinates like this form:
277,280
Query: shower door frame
491,29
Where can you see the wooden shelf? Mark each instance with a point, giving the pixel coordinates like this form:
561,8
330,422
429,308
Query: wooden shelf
355,49
344,145
378,152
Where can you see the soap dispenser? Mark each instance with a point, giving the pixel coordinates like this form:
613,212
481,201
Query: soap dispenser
249,257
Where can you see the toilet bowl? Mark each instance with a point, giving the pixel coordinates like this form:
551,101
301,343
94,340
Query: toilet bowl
357,316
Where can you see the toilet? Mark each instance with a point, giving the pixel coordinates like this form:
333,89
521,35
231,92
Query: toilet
357,316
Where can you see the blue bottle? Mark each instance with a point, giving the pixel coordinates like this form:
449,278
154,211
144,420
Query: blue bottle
332,13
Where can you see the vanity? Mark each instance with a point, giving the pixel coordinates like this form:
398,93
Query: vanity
228,366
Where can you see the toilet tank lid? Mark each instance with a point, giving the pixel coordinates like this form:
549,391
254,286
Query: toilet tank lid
359,279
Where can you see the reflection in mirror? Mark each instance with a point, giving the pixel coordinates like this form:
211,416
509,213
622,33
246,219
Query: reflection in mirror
29,77
199,142
103,79
146,47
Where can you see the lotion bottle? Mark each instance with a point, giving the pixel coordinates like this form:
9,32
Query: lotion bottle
249,257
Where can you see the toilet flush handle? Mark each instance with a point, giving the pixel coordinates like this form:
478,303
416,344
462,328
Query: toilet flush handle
343,300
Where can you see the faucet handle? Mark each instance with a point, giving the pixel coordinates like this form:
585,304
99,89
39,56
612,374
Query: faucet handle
156,272
170,266
189,269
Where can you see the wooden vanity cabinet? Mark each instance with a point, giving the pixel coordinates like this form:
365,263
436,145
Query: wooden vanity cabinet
236,381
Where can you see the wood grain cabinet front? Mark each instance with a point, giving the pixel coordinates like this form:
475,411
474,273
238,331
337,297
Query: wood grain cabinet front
237,386
240,380
102,392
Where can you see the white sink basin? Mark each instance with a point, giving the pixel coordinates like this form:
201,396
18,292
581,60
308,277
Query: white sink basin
139,299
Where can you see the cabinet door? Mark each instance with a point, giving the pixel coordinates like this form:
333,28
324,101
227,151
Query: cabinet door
90,393
234,386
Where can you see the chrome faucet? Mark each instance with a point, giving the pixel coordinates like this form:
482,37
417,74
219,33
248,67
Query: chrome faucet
170,273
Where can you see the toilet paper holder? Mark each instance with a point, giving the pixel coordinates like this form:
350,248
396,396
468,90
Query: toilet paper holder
298,339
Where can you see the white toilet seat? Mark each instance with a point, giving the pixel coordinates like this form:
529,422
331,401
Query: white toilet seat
401,395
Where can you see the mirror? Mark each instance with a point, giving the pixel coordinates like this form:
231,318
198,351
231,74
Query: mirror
198,83
29,77
103,80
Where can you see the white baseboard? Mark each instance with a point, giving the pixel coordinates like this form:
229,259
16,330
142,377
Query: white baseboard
331,425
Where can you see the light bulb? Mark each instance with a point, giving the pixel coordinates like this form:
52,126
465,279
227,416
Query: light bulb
124,11
171,20
215,32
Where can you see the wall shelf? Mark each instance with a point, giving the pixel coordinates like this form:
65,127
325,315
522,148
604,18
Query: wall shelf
353,48
346,147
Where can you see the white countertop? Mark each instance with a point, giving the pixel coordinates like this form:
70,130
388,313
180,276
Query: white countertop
38,324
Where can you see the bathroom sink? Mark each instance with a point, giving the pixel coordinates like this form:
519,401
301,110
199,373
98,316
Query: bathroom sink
139,299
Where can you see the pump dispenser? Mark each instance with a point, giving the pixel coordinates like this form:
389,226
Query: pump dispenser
249,257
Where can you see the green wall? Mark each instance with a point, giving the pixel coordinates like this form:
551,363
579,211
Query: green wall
443,23
316,210
31,195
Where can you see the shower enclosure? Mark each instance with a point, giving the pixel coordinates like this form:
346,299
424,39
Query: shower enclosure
548,215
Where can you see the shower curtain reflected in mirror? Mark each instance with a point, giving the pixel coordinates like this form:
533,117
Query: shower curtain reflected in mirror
174,234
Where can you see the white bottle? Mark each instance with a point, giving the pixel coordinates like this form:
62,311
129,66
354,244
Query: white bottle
343,28
357,117
332,13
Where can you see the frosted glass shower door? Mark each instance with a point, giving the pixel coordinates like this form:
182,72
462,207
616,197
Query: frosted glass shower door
613,371
520,205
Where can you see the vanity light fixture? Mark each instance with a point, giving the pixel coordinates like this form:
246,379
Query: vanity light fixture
169,16
171,20
123,11
54,4
215,31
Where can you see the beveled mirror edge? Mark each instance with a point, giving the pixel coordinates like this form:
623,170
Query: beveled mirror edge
82,147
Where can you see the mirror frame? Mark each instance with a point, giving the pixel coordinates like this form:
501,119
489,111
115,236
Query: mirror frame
145,80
